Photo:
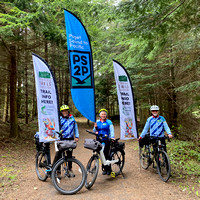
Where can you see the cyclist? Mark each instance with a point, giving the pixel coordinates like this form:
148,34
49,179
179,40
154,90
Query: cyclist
69,130
157,124
105,127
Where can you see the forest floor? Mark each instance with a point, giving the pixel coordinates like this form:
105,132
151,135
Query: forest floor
18,179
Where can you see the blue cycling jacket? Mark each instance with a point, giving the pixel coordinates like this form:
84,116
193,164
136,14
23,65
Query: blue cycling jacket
157,126
105,128
69,127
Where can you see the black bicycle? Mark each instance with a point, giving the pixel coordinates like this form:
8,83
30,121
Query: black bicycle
42,163
116,161
64,179
152,150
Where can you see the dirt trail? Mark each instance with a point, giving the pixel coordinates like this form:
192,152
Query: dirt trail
138,184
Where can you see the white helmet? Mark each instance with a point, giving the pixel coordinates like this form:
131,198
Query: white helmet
154,107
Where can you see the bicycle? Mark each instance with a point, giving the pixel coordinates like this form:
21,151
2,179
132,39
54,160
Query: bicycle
63,180
117,158
154,150
42,165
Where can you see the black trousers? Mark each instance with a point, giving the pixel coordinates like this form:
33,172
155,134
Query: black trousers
59,155
69,155
40,146
47,151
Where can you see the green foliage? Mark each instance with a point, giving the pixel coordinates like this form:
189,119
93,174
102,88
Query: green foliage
189,87
13,18
157,42
7,175
184,157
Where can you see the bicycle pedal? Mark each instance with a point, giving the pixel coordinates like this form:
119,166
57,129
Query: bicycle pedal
113,174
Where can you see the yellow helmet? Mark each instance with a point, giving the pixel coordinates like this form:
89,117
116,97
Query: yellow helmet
103,109
64,107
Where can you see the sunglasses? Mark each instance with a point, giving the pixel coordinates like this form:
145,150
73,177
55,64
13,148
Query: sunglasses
154,111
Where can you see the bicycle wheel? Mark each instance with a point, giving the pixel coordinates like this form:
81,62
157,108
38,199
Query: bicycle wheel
92,171
118,166
41,166
64,180
144,156
163,166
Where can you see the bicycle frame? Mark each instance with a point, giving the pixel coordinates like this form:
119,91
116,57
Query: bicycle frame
159,147
103,159
115,160
101,154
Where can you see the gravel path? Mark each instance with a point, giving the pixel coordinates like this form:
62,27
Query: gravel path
138,184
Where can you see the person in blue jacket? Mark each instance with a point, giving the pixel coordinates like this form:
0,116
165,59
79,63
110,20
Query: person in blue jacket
105,127
157,125
69,130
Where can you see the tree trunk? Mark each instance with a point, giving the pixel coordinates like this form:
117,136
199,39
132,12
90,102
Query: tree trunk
172,106
26,80
60,86
108,99
13,94
19,85
6,99
34,109
26,94
173,103
66,88
46,50
19,94
8,96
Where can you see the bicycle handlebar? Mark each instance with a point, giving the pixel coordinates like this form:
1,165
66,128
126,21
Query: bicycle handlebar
93,133
155,137
158,138
99,137
60,134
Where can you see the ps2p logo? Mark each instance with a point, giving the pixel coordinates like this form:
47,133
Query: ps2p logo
80,63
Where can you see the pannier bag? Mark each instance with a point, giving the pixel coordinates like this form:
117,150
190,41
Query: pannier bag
120,145
92,144
66,144
144,141
38,144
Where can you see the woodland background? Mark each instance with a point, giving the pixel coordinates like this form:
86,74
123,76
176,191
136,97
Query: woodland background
157,41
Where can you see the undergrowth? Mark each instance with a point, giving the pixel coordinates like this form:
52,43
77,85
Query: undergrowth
185,164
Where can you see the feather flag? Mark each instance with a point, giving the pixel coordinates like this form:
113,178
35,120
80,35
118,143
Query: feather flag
81,66
128,121
47,100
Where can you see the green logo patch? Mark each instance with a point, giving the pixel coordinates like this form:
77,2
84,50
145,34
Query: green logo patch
44,75
123,78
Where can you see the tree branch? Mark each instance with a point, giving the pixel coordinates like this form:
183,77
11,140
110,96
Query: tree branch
172,11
